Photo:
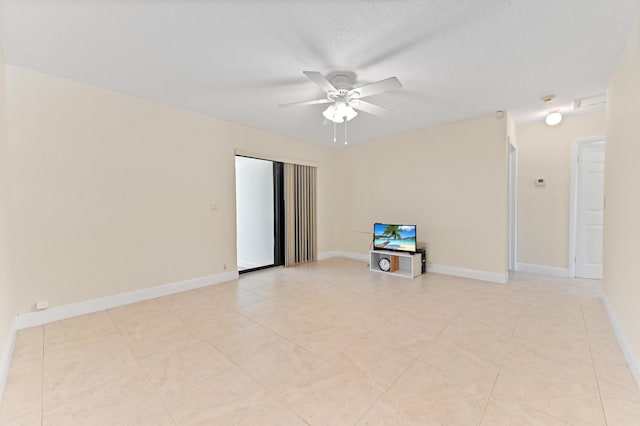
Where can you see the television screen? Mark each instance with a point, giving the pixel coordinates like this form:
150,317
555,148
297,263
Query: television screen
394,237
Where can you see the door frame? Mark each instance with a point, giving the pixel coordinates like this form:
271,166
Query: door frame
576,146
278,212
512,201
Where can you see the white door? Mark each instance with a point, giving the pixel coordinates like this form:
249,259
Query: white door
590,210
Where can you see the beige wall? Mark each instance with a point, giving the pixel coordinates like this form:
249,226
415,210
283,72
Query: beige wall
6,297
343,232
449,180
543,212
112,193
622,192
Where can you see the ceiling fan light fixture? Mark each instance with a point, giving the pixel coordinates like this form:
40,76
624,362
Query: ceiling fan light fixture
331,114
553,118
339,112
345,111
350,113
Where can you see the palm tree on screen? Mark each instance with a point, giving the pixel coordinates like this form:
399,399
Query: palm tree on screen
392,231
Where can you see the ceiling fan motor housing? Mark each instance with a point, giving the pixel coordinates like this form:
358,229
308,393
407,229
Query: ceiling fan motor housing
341,82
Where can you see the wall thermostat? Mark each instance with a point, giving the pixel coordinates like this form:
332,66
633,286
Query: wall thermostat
540,182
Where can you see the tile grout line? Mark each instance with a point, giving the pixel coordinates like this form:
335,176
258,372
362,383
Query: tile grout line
382,394
327,361
415,360
486,405
504,356
253,409
593,364
146,376
577,296
42,381
235,310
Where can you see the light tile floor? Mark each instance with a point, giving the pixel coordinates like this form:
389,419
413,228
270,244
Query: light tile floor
331,343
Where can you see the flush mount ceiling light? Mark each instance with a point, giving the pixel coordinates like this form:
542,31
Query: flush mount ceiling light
553,118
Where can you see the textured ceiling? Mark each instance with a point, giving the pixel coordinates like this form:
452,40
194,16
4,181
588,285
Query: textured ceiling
238,60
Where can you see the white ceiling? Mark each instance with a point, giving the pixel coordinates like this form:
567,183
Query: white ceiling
238,60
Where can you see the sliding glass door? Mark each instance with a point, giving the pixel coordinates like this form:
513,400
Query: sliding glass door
258,213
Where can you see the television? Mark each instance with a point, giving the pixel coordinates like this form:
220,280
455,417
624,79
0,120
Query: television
394,237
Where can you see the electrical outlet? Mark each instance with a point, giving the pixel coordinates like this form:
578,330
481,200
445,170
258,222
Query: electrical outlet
41,305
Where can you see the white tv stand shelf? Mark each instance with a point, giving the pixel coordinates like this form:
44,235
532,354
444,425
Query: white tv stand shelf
407,265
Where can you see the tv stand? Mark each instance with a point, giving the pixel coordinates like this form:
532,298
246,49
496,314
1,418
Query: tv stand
408,265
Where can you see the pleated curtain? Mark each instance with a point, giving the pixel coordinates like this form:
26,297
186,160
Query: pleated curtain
301,242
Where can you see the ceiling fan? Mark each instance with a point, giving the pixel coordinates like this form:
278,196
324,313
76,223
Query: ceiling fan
344,100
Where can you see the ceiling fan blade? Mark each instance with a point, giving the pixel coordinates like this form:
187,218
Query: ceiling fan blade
369,107
385,85
317,101
319,79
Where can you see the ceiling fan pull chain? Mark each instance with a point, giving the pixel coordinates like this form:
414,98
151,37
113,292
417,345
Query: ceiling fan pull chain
334,131
345,130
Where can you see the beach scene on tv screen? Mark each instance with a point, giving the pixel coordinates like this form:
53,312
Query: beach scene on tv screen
394,237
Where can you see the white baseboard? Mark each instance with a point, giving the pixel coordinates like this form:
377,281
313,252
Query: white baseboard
542,269
6,355
494,277
629,355
363,257
326,255
32,319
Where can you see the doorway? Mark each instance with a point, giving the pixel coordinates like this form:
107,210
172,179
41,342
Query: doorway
259,213
588,210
